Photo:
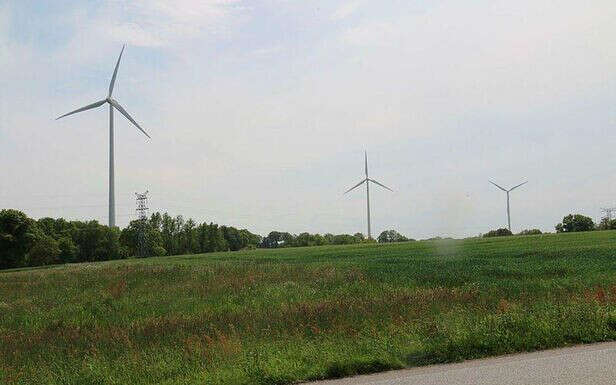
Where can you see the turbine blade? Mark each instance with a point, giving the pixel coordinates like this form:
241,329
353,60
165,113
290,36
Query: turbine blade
380,184
366,162
115,72
357,185
88,107
123,112
514,187
497,186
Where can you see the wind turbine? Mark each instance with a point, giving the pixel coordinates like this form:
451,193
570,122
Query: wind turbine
112,104
508,191
367,181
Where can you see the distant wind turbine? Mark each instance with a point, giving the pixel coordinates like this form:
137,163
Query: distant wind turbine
508,191
367,181
112,104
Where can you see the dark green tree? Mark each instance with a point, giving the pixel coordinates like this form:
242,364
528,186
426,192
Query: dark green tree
68,249
530,232
18,234
388,236
344,239
129,238
574,223
502,232
44,252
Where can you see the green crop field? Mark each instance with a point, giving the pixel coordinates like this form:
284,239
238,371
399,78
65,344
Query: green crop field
287,315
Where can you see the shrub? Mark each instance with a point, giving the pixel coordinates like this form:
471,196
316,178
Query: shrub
502,232
530,232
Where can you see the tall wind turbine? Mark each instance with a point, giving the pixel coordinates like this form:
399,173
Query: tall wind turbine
112,104
508,191
367,181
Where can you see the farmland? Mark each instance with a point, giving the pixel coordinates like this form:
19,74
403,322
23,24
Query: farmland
286,315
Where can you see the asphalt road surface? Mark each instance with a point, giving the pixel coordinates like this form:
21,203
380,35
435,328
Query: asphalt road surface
580,365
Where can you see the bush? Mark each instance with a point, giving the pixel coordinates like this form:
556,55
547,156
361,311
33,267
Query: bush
530,232
574,223
502,232
388,236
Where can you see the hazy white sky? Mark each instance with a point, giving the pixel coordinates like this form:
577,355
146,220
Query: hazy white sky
260,111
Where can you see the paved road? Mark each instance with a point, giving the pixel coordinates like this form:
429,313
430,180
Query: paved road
581,365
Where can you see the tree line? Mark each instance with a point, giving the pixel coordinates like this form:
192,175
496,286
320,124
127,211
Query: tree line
29,242
571,223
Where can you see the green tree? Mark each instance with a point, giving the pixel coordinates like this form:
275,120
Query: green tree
278,239
156,221
388,236
502,232
344,239
249,240
55,228
129,238
216,240
329,238
530,232
68,249
168,233
18,234
574,223
44,252
96,242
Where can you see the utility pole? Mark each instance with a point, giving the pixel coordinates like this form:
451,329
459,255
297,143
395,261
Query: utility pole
142,217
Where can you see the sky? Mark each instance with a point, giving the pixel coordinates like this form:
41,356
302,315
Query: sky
260,111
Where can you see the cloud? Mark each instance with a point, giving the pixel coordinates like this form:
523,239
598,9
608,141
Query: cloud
346,9
259,115
517,54
157,23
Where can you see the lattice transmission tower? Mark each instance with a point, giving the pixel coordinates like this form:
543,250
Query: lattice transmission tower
142,217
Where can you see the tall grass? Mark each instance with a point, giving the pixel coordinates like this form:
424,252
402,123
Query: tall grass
282,316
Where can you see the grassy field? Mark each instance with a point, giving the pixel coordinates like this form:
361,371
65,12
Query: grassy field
282,316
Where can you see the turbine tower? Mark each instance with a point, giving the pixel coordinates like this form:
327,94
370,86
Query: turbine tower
367,181
508,191
112,104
